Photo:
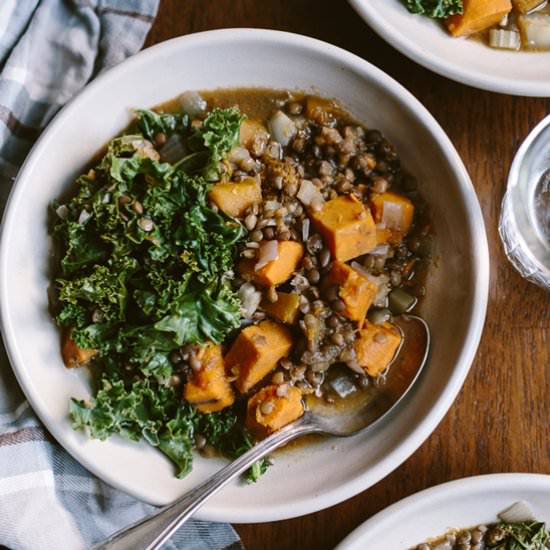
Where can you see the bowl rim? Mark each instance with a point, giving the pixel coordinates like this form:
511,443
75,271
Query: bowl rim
456,488
480,275
430,60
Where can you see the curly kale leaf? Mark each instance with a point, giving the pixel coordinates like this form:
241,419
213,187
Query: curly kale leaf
151,123
72,315
435,8
527,535
152,411
207,236
219,133
131,155
83,248
105,288
146,269
201,315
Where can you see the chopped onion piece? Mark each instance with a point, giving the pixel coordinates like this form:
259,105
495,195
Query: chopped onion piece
62,211
282,128
392,215
518,512
269,252
343,386
272,205
381,282
238,155
381,250
144,148
173,150
535,31
84,217
504,39
250,299
192,103
274,150
305,229
309,194
381,298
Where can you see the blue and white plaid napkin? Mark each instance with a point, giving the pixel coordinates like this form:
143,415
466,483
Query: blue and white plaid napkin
49,50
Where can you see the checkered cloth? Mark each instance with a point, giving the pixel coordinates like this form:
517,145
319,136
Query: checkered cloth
49,49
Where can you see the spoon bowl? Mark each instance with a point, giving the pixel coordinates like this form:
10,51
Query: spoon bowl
352,414
346,417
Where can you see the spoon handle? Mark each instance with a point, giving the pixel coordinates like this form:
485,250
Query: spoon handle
151,532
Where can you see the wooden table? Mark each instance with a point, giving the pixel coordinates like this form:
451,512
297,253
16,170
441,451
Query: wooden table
500,421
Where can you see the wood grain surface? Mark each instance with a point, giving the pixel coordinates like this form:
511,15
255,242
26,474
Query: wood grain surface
500,421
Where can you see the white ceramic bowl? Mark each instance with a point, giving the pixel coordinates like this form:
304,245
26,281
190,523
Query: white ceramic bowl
468,61
308,478
458,504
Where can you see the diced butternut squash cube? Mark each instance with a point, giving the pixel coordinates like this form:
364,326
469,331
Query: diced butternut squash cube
393,213
321,110
356,291
383,235
276,271
73,356
208,388
347,226
256,352
285,309
252,133
478,15
268,412
376,347
235,198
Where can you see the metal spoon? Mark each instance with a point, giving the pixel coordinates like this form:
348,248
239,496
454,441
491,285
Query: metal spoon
341,421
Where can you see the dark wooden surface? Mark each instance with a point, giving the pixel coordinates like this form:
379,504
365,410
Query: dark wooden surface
500,421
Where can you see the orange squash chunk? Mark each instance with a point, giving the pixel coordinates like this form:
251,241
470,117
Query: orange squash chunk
383,235
277,271
399,210
376,347
321,110
356,291
347,226
285,309
208,389
251,131
276,412
74,356
235,198
256,352
478,15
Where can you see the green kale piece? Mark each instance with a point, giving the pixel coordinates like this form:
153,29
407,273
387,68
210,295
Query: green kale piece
435,8
151,123
146,268
152,411
219,132
201,315
104,287
527,535
82,247
72,315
